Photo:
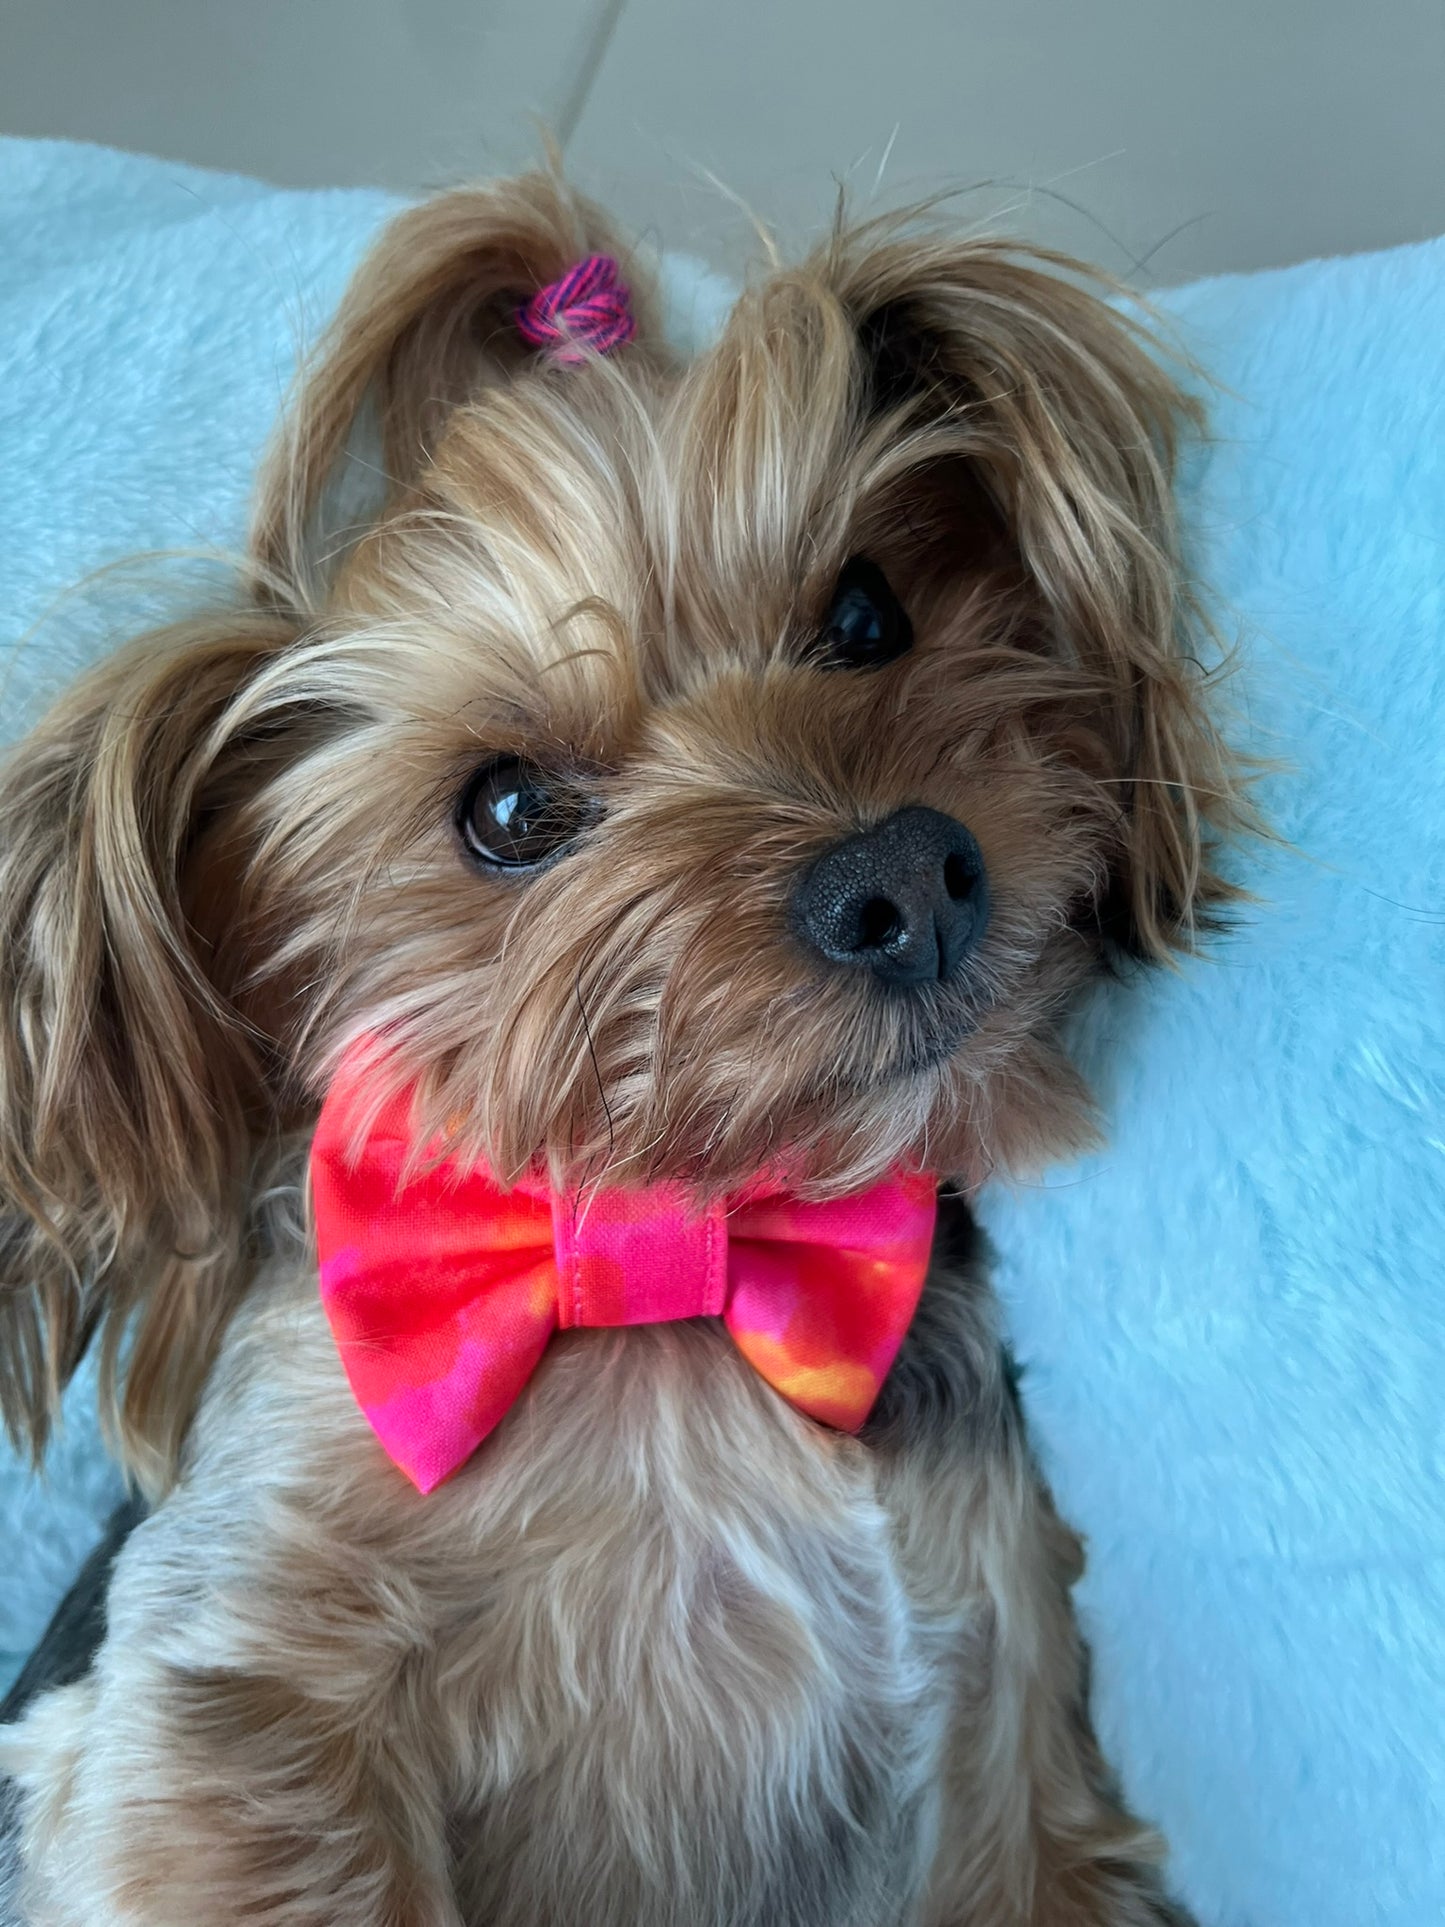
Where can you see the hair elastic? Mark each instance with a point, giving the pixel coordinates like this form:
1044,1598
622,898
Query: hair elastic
587,312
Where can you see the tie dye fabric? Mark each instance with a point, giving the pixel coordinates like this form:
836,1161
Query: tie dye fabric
443,1289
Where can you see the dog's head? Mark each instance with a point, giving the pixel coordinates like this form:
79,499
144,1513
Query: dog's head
686,769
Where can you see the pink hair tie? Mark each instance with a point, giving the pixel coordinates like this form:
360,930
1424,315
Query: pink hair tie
587,312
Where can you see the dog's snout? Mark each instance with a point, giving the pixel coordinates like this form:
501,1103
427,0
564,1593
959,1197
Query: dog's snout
907,900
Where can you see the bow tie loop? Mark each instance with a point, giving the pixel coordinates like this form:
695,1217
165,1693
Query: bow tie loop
637,1257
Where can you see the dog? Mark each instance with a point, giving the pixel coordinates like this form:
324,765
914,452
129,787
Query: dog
711,780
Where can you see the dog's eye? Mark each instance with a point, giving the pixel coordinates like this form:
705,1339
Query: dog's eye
514,816
866,625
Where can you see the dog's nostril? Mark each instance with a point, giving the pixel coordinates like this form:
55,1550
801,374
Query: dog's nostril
959,878
878,923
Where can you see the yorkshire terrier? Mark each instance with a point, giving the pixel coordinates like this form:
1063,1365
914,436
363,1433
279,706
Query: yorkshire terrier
668,828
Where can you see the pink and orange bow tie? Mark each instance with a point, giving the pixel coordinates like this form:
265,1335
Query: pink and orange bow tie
443,1290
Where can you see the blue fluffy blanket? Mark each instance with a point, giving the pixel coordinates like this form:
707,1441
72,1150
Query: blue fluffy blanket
1232,1321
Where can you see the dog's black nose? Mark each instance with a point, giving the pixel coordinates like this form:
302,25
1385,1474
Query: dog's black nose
907,900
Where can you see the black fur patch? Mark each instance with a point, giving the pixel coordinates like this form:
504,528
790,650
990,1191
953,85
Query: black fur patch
952,1377
69,1643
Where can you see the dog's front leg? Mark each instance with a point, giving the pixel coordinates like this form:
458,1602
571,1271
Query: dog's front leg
1035,1832
255,1741
216,1797
1032,1830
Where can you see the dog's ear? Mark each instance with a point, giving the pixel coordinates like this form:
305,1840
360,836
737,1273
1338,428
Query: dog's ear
1063,415
139,1080
132,1097
430,318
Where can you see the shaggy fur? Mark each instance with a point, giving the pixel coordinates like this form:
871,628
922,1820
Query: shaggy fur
664,1651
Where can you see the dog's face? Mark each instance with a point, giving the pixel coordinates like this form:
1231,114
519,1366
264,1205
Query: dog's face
702,792
692,770
714,783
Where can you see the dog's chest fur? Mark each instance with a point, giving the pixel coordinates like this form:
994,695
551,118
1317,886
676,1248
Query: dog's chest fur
661,1635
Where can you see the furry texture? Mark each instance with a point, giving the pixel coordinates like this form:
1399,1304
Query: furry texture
206,889
1255,1498
653,1694
595,1677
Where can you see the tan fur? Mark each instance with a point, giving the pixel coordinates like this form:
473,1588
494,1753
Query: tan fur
664,1652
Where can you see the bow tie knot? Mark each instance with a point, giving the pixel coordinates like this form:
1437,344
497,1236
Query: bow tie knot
443,1289
637,1257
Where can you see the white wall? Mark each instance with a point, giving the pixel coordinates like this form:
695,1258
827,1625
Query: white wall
1167,137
